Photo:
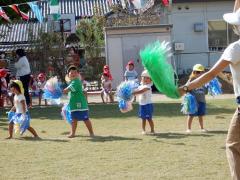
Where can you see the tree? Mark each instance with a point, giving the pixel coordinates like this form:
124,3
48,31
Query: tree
90,33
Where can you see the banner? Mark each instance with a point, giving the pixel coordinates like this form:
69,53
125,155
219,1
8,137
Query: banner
20,13
54,9
36,11
4,15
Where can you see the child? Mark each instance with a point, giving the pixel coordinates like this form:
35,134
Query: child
107,71
130,74
78,104
4,87
106,88
20,107
41,83
145,101
199,94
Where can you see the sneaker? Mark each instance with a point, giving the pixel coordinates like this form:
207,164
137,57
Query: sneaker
204,130
144,132
188,131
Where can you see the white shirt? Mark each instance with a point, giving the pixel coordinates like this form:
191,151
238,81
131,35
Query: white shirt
22,66
146,97
232,54
18,104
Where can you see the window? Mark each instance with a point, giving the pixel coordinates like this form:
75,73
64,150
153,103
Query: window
220,35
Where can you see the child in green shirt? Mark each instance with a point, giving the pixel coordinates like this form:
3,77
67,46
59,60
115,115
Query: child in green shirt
78,103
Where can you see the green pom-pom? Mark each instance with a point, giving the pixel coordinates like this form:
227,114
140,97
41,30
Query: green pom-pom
154,59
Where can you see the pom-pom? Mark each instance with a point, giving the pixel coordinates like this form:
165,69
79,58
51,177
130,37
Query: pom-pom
21,122
189,104
52,89
125,106
154,58
66,114
125,90
214,87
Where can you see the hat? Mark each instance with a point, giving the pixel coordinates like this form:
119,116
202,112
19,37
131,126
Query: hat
131,62
71,67
19,83
106,67
145,74
232,18
41,75
3,72
198,67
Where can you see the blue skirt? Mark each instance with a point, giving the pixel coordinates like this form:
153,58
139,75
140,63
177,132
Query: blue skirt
21,123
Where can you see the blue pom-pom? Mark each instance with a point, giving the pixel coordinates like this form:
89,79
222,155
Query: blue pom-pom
56,94
125,90
10,115
66,113
214,87
122,104
189,104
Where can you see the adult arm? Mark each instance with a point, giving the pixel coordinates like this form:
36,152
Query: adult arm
236,5
206,77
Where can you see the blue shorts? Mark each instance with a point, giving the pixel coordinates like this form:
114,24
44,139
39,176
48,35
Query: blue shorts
201,111
80,115
145,111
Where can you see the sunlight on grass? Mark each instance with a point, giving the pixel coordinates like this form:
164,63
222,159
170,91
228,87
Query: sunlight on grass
119,151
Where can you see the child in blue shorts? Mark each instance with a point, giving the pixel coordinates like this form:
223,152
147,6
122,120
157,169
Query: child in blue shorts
77,103
145,101
199,94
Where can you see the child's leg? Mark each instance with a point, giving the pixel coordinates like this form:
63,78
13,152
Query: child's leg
73,130
89,127
31,130
151,124
201,121
10,130
111,97
45,102
40,98
189,122
102,94
144,125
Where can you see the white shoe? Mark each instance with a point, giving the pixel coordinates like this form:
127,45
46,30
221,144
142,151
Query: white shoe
188,131
144,132
204,130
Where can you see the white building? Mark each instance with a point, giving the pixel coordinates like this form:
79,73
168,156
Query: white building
199,27
197,32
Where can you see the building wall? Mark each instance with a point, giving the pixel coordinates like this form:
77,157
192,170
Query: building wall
124,44
183,17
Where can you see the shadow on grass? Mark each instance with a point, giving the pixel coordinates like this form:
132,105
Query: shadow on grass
100,111
171,135
42,139
112,138
218,132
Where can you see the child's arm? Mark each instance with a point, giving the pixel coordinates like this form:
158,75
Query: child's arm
140,91
24,106
66,90
13,109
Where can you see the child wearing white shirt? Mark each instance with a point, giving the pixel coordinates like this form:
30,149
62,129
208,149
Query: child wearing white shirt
145,101
21,111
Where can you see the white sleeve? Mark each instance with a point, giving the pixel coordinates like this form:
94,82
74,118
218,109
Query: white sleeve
21,97
19,64
232,53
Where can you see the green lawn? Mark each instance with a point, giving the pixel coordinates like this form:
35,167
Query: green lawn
119,151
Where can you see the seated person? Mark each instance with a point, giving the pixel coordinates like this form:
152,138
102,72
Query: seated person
106,93
41,83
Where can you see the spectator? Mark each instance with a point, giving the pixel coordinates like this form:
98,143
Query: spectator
23,72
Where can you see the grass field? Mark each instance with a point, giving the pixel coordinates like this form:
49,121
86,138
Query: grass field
119,151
